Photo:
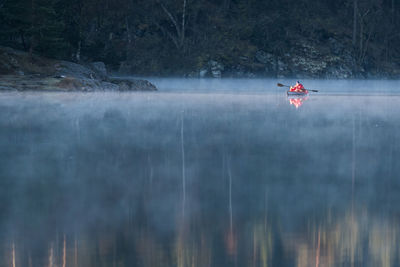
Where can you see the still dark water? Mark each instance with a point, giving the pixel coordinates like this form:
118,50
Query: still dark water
199,179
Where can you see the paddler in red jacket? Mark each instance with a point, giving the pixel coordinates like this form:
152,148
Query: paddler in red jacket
298,88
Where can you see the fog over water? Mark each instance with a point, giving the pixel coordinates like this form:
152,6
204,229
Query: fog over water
202,173
268,86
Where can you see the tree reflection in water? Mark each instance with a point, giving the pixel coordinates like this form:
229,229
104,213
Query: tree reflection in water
222,184
350,240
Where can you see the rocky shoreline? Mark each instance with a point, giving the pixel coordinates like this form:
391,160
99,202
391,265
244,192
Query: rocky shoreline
334,60
22,72
305,59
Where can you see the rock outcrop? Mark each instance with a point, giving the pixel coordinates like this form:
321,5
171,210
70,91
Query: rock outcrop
305,59
212,69
20,71
133,85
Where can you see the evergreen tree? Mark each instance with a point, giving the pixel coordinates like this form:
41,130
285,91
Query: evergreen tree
73,18
47,28
33,25
169,35
15,23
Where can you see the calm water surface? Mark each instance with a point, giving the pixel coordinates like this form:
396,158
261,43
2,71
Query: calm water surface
230,175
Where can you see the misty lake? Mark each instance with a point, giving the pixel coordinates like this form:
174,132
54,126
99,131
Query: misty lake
202,173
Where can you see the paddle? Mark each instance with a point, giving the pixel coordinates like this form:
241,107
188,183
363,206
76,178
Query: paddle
282,85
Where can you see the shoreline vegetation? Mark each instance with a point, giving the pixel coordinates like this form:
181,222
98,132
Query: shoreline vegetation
24,72
343,39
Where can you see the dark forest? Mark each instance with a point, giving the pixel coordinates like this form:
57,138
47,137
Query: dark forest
327,38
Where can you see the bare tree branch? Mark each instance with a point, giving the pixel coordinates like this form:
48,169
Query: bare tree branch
166,32
355,12
180,26
178,31
183,22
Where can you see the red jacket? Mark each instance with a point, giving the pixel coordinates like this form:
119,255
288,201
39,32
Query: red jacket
297,88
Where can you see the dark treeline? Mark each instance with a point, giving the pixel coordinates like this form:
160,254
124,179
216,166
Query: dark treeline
180,36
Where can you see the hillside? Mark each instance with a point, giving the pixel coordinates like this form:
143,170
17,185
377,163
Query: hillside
224,38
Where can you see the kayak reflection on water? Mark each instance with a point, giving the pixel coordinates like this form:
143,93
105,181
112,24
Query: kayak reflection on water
297,101
294,99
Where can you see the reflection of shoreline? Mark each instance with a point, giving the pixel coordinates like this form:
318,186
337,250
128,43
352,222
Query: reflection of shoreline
297,101
355,238
114,187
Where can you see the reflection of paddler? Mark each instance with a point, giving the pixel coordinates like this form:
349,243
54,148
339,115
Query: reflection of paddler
297,101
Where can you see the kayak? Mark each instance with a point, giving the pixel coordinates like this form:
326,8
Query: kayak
289,93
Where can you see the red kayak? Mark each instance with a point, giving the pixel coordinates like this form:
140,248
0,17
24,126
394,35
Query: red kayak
294,93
